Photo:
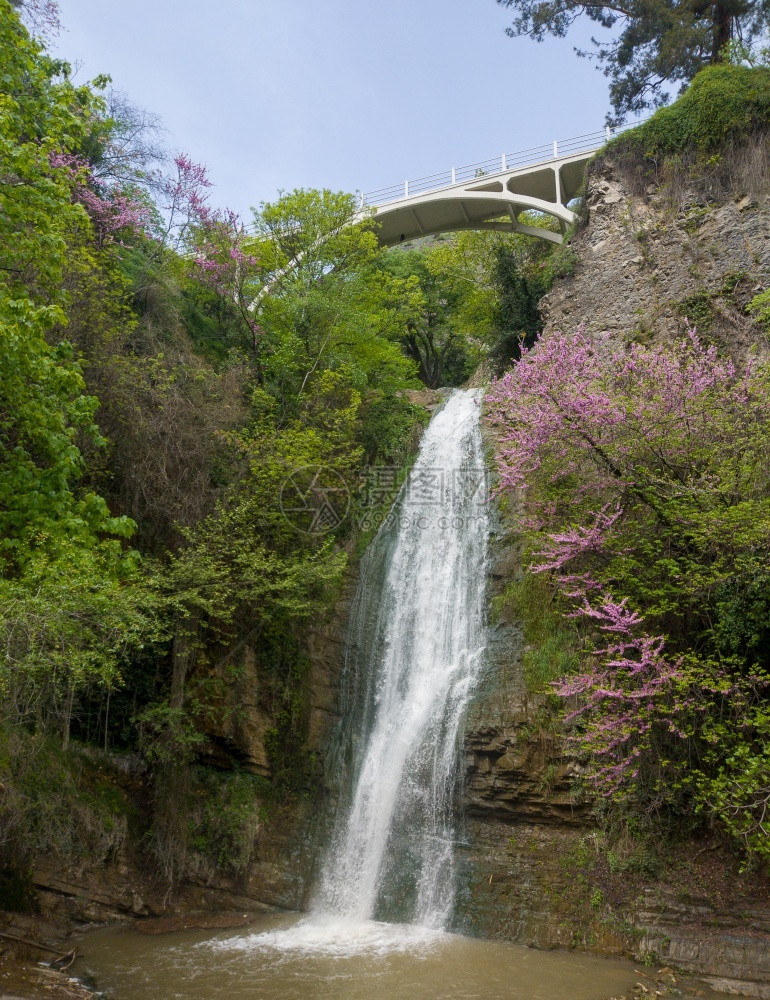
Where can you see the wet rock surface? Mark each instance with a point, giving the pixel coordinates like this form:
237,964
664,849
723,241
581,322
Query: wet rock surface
509,777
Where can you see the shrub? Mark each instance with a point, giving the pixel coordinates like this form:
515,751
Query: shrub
714,139
224,818
206,822
723,104
60,804
759,307
549,650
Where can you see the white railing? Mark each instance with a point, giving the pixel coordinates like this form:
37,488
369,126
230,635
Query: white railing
502,164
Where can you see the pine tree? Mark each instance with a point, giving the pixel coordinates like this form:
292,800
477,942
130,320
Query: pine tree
652,43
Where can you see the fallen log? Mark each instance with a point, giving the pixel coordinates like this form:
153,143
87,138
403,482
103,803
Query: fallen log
33,944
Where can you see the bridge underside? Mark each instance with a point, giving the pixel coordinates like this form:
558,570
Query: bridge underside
489,202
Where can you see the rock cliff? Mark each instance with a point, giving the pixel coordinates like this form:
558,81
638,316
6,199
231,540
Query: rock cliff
242,729
536,868
644,264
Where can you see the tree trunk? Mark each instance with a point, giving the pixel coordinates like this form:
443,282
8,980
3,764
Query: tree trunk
723,30
67,719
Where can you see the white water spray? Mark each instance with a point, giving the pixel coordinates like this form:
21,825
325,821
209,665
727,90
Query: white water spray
419,640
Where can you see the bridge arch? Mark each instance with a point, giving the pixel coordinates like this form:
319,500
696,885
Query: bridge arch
486,202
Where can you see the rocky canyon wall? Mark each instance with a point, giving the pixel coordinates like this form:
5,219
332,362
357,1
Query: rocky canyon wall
644,264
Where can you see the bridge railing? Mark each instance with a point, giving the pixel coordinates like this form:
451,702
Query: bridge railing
502,164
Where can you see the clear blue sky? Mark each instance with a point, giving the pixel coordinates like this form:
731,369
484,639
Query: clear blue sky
273,94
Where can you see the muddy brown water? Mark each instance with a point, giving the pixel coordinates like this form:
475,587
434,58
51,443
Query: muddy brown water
293,958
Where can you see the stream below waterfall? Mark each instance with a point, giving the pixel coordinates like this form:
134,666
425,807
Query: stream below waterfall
288,958
380,914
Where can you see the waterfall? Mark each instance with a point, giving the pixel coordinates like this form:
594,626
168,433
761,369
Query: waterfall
414,652
415,648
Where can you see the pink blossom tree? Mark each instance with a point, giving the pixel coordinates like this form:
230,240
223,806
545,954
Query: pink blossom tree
111,210
183,200
640,479
43,17
224,264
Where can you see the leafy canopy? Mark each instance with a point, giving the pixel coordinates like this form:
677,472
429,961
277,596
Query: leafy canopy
647,43
67,606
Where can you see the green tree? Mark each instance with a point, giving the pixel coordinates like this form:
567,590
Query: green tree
519,291
326,304
430,302
43,403
648,43
68,608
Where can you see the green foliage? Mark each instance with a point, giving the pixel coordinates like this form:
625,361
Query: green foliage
732,782
390,426
428,301
212,323
548,660
306,233
224,817
517,318
41,394
206,822
739,53
649,44
171,735
698,311
724,104
549,643
759,307
70,604
248,553
742,619
61,804
69,622
461,298
42,115
560,263
634,857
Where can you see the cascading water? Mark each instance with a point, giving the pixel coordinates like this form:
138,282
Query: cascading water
416,642
415,647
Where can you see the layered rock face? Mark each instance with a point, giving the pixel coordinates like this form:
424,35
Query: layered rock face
645,264
244,726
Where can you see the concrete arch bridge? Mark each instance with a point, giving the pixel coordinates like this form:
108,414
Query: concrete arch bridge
488,195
